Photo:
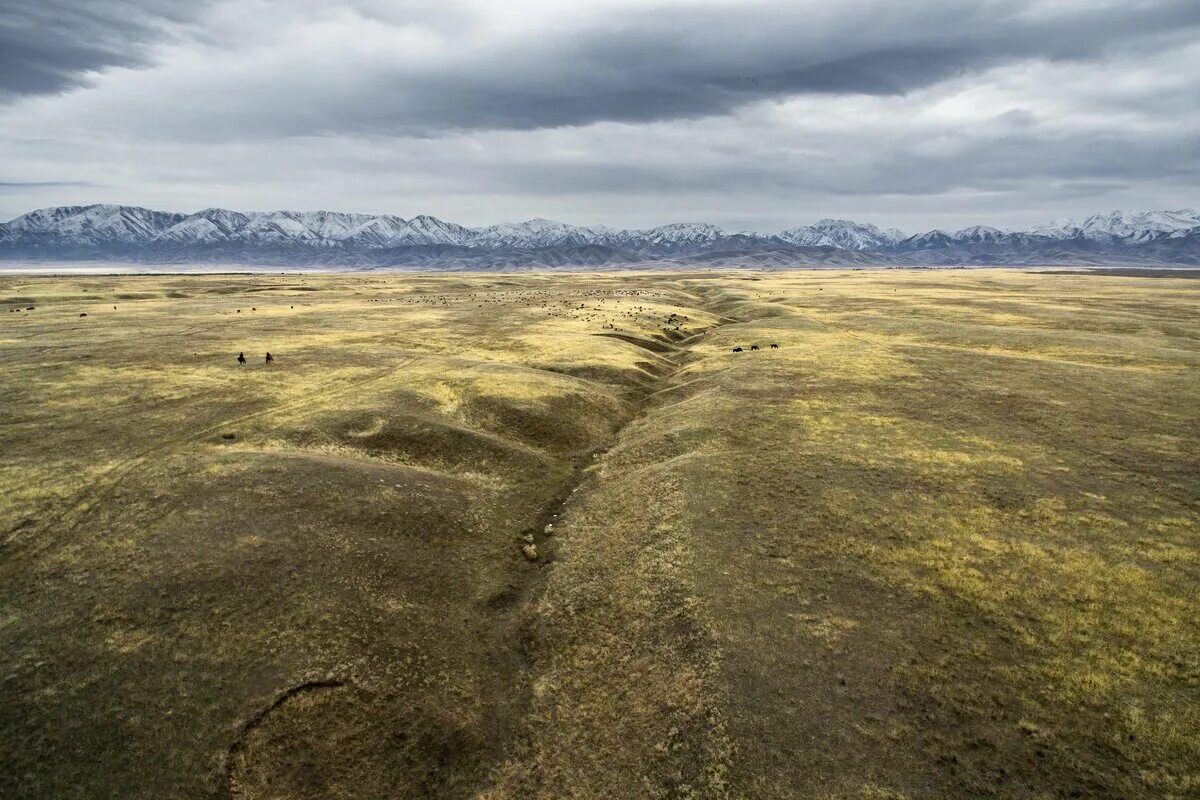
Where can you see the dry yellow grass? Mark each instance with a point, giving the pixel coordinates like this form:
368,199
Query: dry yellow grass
943,542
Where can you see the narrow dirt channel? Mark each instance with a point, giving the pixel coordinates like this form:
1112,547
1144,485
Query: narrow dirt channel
673,350
617,656
513,626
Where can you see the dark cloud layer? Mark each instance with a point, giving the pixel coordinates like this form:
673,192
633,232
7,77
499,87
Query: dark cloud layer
722,111
636,66
19,185
659,65
49,45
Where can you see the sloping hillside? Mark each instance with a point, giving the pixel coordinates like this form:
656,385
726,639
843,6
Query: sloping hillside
547,536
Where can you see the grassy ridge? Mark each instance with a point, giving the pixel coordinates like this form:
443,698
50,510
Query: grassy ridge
942,542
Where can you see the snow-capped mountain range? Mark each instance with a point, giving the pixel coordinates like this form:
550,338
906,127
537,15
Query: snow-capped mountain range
326,237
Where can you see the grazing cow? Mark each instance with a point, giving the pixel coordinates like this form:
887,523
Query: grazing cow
737,349
83,315
269,358
241,359
753,347
774,346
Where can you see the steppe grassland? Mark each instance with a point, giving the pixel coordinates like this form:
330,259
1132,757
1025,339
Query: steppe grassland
188,539
942,541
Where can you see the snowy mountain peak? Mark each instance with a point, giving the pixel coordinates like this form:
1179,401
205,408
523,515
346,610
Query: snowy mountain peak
1124,226
96,227
978,233
542,224
680,233
929,239
841,233
94,223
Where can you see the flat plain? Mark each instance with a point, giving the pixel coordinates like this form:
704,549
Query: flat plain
549,536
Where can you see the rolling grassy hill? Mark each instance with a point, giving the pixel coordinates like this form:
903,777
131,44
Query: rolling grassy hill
548,535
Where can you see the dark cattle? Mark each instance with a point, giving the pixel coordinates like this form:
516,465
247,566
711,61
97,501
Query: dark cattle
83,315
269,358
774,346
753,347
737,349
241,358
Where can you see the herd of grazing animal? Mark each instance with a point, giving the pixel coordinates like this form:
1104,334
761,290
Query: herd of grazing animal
241,359
673,322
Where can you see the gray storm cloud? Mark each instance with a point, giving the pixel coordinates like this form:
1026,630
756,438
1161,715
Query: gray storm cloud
50,45
792,104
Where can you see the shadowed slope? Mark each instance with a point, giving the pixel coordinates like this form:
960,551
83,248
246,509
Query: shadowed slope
940,543
304,578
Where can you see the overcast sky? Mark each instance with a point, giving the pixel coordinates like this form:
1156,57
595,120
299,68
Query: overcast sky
750,115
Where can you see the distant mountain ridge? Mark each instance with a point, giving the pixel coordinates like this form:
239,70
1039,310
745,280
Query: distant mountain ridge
336,239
